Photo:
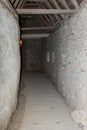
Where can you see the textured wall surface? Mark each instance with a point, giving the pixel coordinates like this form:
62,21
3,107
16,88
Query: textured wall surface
32,55
67,68
9,62
50,45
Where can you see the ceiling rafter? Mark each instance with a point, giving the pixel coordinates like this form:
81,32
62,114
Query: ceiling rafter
16,3
26,36
64,4
44,20
48,16
23,3
45,17
20,4
37,28
54,2
31,5
41,1
45,11
49,12
50,7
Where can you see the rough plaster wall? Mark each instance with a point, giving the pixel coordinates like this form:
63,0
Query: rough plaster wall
9,63
31,53
69,43
51,69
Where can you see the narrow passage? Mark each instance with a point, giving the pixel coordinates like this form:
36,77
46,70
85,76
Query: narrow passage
45,108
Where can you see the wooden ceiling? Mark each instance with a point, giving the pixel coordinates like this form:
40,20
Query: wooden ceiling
48,13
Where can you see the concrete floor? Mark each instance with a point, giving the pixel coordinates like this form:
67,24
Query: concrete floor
45,109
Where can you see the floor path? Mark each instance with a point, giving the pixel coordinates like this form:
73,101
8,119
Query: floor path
45,109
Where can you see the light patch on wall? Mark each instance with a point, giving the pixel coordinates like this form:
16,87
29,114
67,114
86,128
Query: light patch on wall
21,43
48,56
53,57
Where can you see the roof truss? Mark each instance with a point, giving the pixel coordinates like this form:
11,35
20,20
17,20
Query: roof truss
50,12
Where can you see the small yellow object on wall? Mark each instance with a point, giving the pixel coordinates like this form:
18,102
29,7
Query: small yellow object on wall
21,43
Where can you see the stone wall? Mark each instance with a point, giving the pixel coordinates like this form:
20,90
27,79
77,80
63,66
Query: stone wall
9,62
50,47
65,59
32,55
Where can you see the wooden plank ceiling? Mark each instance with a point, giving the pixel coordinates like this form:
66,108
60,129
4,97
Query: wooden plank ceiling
47,13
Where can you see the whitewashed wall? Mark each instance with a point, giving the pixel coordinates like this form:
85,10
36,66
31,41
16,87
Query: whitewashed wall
9,62
69,70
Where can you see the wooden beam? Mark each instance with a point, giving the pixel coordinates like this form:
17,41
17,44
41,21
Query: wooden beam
44,17
37,28
45,11
20,4
44,21
47,19
41,1
49,6
54,2
64,3
27,36
32,4
23,3
16,3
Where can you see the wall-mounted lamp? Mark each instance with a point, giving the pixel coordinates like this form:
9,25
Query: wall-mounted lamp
21,43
